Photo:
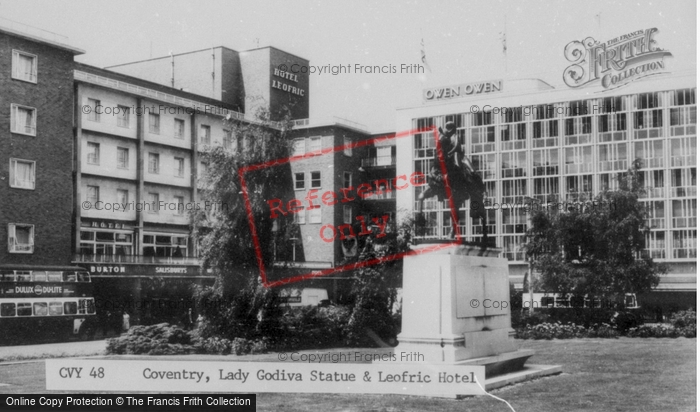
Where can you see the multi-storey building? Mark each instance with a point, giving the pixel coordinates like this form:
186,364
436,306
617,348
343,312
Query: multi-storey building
532,142
36,136
139,169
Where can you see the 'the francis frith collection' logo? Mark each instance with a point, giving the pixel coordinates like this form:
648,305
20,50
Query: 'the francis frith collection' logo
614,63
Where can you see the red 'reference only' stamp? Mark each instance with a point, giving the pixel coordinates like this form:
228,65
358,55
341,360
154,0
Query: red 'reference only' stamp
316,199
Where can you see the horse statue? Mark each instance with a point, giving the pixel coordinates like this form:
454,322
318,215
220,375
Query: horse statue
464,182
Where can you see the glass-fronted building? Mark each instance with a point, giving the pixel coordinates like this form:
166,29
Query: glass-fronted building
533,142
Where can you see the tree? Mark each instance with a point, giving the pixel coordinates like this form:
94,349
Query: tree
373,292
596,248
235,304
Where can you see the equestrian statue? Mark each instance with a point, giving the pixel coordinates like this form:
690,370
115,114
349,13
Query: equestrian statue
463,181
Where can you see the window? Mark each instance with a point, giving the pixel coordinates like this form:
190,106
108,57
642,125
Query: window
315,180
180,202
41,309
202,169
684,151
685,244
165,245
514,191
347,150
546,189
24,309
24,66
347,179
23,120
347,214
684,213
514,164
20,238
153,163
179,129
123,116
123,197
93,194
578,159
93,153
22,174
122,158
180,166
111,243
315,215
154,123
228,140
55,308
70,308
651,152
386,156
545,162
314,144
154,200
299,148
204,134
653,183
683,182
300,216
7,309
612,157
298,181
95,109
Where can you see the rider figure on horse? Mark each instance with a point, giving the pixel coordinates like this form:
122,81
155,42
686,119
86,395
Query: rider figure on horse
464,182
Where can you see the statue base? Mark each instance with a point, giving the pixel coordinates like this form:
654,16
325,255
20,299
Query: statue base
456,310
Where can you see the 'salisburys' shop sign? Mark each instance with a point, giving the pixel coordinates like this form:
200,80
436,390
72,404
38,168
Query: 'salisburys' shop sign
142,270
614,63
463,90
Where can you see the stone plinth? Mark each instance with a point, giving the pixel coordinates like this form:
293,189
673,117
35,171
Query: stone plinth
456,309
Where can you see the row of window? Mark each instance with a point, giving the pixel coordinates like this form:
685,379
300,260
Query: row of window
153,204
313,144
154,123
105,243
683,183
57,308
93,157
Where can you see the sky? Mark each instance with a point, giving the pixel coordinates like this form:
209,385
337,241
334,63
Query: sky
462,40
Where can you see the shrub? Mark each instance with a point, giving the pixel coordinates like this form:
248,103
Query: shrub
314,327
215,345
160,339
663,331
242,346
559,330
684,318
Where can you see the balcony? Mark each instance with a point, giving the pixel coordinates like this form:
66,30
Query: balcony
135,259
379,161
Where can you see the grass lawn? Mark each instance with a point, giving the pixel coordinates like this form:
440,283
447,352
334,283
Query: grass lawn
625,374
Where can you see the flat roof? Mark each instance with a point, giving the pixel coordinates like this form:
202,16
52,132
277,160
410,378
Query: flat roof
38,35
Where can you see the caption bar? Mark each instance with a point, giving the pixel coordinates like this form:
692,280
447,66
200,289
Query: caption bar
264,377
130,402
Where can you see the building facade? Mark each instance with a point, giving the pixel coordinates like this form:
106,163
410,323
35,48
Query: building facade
534,143
36,145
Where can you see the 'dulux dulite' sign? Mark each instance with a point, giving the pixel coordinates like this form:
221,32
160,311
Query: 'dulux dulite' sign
616,62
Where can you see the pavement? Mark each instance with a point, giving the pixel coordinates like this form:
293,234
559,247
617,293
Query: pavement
52,350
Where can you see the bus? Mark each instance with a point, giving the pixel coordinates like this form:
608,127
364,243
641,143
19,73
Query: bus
45,303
